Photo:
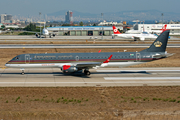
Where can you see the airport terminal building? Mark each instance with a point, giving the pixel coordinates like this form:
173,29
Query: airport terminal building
82,30
174,28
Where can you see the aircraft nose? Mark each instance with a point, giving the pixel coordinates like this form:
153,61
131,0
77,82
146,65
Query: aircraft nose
7,64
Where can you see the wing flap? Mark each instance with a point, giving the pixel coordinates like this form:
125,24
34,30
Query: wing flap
92,64
87,65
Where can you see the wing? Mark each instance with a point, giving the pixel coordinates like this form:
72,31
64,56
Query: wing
88,65
31,31
93,64
140,38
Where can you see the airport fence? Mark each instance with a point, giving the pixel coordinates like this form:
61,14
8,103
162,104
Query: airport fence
106,115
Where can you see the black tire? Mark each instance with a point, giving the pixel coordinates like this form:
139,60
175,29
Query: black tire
87,72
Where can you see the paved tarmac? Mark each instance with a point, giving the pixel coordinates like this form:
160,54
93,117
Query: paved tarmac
33,37
82,46
14,37
53,77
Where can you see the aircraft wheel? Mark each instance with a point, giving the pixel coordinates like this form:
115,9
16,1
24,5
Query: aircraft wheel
87,72
22,73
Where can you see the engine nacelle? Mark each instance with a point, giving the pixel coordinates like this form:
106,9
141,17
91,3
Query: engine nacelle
69,69
36,35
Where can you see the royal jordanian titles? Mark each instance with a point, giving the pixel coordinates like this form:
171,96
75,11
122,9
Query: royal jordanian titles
73,62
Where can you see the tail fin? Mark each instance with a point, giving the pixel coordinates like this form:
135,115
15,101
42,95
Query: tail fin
159,45
115,30
164,28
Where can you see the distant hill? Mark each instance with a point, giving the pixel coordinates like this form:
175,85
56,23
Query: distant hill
123,15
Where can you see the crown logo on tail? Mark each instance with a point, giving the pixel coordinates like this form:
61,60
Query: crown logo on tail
157,44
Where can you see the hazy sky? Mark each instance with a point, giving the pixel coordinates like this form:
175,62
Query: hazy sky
33,7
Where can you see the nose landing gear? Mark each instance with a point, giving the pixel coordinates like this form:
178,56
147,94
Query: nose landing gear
22,71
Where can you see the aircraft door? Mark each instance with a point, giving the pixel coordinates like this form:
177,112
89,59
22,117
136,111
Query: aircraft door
27,59
138,57
77,58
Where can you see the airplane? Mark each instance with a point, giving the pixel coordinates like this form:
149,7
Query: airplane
45,33
142,36
149,31
7,31
74,62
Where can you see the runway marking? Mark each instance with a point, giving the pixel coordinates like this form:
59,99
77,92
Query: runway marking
137,70
142,78
89,82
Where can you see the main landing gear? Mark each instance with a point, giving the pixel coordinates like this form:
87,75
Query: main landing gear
22,71
87,72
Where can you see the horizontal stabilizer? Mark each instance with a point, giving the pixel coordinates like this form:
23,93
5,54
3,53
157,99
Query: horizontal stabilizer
163,55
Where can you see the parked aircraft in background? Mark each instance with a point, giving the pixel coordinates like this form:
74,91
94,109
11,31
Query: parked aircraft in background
142,36
73,62
44,33
159,31
149,31
6,31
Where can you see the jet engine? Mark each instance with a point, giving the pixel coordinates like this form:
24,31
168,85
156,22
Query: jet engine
69,69
52,35
37,35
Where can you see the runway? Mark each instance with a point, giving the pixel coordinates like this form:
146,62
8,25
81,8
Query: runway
33,37
53,77
3,46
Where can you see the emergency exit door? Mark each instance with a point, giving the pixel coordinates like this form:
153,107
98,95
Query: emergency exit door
27,59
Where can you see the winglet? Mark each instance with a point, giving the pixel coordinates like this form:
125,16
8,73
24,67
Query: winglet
115,30
108,59
99,51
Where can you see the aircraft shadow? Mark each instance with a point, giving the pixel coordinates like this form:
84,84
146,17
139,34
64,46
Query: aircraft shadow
76,74
122,72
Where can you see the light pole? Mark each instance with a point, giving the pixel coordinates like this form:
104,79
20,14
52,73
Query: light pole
40,23
102,24
162,19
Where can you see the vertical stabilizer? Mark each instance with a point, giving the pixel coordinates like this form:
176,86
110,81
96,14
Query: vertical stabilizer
164,28
115,30
159,45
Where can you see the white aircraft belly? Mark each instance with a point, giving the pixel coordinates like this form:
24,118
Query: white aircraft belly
49,65
59,65
123,64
